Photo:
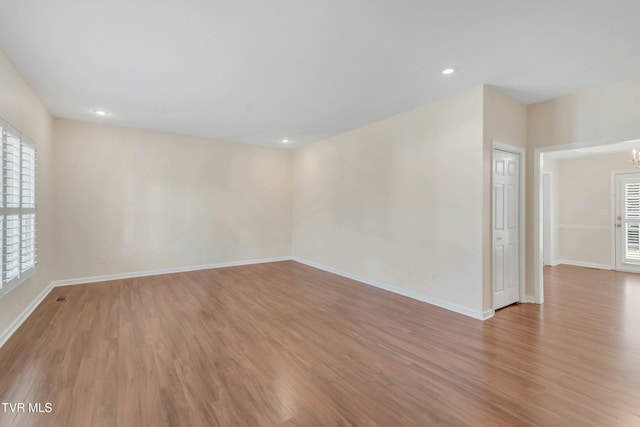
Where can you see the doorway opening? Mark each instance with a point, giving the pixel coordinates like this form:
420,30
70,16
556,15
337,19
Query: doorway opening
585,213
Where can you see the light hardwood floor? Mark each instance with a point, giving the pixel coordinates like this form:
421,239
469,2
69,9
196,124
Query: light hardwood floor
283,344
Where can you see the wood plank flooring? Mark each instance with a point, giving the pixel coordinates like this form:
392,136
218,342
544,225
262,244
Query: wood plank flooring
283,344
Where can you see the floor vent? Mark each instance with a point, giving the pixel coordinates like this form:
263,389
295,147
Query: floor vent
62,298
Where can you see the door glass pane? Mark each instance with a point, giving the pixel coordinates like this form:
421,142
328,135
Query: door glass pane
632,200
632,242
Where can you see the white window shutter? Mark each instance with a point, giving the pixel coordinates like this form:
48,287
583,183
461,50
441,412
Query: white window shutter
12,248
3,137
17,208
632,200
2,249
28,202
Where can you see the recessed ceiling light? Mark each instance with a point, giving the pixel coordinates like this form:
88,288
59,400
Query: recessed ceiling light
448,71
99,112
285,141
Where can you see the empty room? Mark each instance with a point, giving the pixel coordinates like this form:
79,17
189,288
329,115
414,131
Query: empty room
320,213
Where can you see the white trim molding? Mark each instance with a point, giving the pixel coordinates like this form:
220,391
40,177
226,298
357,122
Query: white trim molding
476,314
13,327
109,277
538,257
584,264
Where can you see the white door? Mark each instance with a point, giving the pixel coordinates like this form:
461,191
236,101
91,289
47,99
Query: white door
506,228
628,222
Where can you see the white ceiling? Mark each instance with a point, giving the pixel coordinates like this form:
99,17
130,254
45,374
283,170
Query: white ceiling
257,71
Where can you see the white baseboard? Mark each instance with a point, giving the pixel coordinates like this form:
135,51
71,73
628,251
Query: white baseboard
92,279
487,314
119,276
528,299
6,334
585,264
476,314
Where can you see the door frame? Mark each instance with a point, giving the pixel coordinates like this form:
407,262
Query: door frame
538,164
614,207
548,240
496,145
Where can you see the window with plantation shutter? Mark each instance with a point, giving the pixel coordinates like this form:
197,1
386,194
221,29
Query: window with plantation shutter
17,207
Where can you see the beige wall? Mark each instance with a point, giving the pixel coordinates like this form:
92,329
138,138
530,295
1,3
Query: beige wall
130,200
603,115
584,207
399,201
21,107
504,121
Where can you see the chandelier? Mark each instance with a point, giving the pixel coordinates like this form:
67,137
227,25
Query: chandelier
635,158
